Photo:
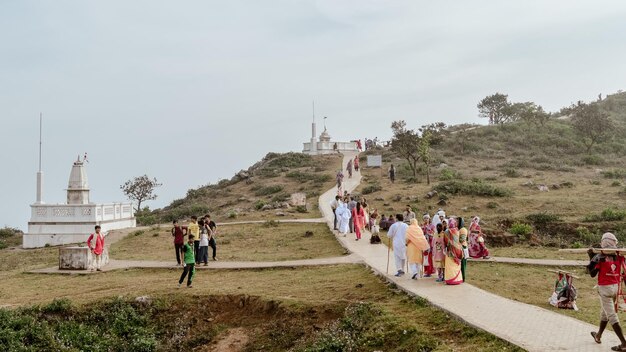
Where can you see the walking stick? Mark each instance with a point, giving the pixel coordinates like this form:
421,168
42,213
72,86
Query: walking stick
388,250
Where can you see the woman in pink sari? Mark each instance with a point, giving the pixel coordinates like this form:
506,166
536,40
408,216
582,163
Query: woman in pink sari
358,214
477,247
429,230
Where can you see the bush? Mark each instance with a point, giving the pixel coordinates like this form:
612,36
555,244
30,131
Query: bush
593,160
232,215
587,237
374,187
147,220
307,176
259,204
271,223
542,218
449,174
301,209
10,232
616,183
492,205
521,230
616,173
288,160
266,191
511,172
608,214
475,187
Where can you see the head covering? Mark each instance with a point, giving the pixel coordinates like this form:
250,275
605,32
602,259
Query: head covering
441,213
608,241
452,223
415,236
476,220
426,217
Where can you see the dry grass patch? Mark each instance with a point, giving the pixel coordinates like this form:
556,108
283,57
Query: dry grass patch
269,241
535,252
534,285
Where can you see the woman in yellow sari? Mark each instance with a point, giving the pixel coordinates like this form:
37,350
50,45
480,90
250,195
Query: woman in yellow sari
416,244
454,251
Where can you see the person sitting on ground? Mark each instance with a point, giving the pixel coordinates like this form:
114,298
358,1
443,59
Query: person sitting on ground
607,267
383,223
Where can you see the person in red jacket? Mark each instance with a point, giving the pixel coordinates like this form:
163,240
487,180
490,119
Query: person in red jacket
98,246
179,241
608,268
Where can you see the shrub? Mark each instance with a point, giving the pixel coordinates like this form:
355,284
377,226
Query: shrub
542,218
301,209
593,160
608,214
374,187
511,172
232,215
147,220
288,160
307,176
616,173
587,237
259,204
521,229
492,205
271,223
475,187
449,174
616,183
265,191
280,197
10,232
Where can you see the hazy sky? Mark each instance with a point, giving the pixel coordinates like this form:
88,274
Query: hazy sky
193,91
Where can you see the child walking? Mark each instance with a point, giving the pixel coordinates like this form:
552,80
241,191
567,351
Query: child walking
190,262
203,251
439,256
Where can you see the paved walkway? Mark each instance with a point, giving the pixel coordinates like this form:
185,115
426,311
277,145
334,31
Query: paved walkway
297,221
148,264
528,326
528,261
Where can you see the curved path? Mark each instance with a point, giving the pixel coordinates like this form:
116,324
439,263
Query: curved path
530,327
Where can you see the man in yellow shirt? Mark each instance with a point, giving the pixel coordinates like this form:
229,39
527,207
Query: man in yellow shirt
193,229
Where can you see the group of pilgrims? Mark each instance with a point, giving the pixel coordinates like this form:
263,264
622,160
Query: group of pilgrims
439,246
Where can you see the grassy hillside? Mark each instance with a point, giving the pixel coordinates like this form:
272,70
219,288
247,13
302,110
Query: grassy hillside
259,192
496,171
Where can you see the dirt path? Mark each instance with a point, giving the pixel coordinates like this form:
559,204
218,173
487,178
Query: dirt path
530,327
234,341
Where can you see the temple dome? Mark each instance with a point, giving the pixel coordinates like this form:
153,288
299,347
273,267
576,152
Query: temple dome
325,137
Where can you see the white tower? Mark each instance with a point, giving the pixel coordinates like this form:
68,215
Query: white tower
313,134
78,188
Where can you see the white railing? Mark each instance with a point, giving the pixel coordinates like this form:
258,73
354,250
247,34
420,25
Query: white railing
81,212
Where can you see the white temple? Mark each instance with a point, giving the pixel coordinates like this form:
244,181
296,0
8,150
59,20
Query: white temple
59,224
324,145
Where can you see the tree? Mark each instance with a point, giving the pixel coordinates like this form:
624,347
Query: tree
530,113
438,132
496,108
140,189
591,123
424,152
406,143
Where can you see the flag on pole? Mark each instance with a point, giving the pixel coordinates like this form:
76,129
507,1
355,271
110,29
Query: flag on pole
85,158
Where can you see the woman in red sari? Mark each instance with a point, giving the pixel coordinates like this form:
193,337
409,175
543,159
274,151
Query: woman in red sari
429,230
477,248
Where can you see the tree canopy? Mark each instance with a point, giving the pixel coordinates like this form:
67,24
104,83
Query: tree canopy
405,143
140,189
496,108
591,123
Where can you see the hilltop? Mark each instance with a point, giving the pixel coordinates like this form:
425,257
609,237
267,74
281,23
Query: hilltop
262,191
497,171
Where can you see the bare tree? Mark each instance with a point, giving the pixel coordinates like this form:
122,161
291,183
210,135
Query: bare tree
425,152
140,189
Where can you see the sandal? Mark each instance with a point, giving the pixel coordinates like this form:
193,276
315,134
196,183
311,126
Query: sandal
618,348
595,337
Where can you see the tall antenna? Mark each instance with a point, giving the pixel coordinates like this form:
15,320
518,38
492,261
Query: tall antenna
313,110
40,129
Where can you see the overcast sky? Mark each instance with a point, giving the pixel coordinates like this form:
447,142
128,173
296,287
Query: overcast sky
192,91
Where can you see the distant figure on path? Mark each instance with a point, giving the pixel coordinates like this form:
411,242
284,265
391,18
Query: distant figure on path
203,249
351,206
179,241
439,255
477,248
190,261
212,234
359,219
397,235
392,173
429,232
356,163
334,204
343,216
608,268
359,146
98,246
454,254
416,245
409,214
349,168
193,229
335,148
339,180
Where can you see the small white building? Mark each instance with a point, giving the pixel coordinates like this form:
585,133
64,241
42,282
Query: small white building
324,145
73,222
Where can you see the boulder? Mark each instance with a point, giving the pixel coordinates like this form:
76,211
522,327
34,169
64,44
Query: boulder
280,213
298,199
442,202
431,194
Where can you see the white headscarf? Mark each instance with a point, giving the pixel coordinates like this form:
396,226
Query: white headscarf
608,241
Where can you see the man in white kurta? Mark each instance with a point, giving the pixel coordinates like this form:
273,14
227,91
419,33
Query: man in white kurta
343,218
397,234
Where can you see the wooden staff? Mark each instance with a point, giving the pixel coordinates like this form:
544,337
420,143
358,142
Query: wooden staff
388,250
564,272
595,250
